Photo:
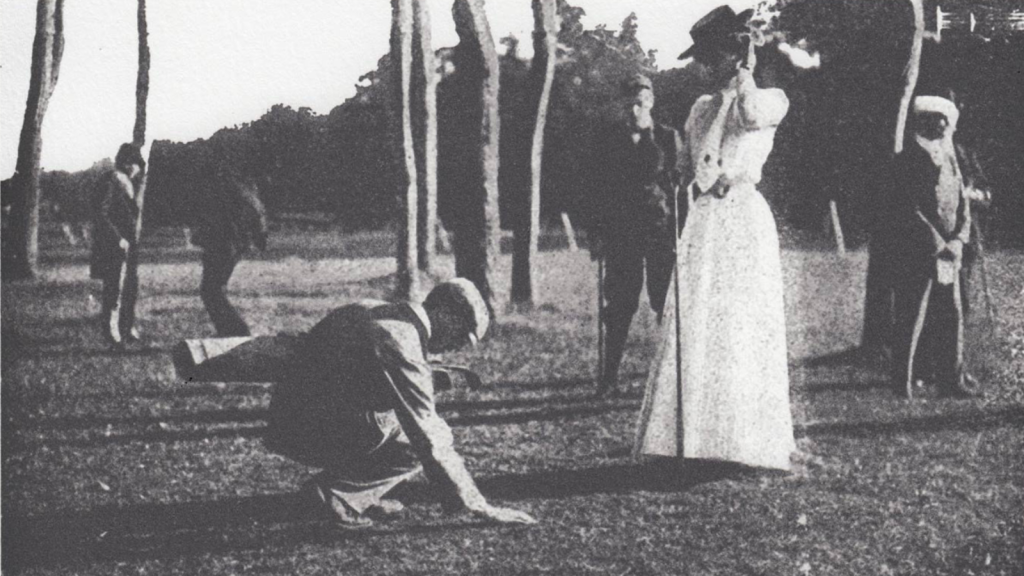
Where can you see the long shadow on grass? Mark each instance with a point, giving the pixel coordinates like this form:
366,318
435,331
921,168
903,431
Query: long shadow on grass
62,338
252,423
665,476
577,382
846,386
454,411
968,421
92,352
191,529
158,531
88,431
35,291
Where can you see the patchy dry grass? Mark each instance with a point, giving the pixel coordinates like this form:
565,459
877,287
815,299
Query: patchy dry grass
112,465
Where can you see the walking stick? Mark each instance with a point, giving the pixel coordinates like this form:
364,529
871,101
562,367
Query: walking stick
679,329
990,308
600,321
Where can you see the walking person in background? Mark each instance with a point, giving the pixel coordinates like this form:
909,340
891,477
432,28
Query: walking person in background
232,222
720,389
115,258
631,217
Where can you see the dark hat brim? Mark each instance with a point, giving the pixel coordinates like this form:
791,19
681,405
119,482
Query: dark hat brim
745,16
718,33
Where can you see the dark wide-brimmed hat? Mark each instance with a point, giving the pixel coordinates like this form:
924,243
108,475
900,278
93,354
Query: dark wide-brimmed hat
717,28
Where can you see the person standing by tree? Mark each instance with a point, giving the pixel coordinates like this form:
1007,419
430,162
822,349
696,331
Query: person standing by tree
232,222
631,216
933,218
115,257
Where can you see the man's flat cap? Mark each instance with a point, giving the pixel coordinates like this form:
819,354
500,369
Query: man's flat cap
461,295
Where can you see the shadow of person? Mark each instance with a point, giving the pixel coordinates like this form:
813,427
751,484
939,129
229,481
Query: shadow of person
153,532
194,529
148,531
660,475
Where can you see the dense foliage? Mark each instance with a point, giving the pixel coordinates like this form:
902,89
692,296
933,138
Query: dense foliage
832,145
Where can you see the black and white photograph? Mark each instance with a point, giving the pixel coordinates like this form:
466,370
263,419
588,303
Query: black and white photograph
512,287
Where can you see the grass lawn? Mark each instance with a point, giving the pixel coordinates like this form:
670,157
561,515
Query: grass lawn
112,465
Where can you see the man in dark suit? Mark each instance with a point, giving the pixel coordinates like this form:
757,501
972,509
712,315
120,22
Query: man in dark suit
115,258
635,176
232,221
360,404
932,217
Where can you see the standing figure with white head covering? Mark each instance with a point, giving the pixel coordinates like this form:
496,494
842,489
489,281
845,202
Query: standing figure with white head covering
932,217
718,388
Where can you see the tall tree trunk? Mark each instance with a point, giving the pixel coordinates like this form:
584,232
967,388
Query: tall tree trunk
407,286
47,50
542,75
910,73
878,293
425,131
142,81
141,97
478,236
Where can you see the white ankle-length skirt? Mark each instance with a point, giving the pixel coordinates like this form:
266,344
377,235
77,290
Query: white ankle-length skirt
734,390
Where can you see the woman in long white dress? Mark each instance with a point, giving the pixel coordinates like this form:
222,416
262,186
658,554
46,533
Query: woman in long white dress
732,399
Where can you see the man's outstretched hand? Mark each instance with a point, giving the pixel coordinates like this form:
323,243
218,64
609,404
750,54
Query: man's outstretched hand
504,515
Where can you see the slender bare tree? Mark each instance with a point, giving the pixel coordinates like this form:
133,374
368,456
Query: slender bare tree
542,74
47,51
878,293
407,286
477,239
141,97
910,74
425,131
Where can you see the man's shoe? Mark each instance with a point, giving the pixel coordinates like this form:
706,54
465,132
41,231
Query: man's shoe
608,388
111,333
133,335
326,507
966,386
904,388
346,516
386,509
874,356
113,341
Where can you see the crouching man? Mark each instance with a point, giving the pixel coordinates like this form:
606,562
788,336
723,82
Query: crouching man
360,405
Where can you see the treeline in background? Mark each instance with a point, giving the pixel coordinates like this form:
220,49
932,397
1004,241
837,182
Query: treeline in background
833,145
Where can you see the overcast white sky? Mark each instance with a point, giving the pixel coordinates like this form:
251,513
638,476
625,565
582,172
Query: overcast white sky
217,63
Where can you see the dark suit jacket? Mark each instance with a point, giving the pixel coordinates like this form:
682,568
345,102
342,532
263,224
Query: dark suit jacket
912,221
631,185
232,219
115,214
